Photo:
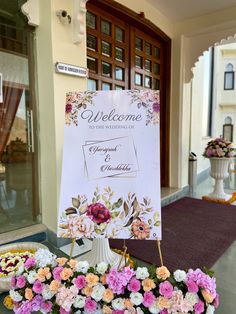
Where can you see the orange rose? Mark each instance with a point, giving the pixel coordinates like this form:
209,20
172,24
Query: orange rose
148,284
61,261
128,304
66,273
103,279
163,303
29,294
54,285
162,273
91,279
108,295
106,309
207,296
87,291
72,263
44,273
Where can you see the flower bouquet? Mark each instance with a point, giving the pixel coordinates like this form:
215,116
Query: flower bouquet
57,285
219,148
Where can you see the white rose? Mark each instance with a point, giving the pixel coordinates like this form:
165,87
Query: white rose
192,298
82,267
154,309
79,301
20,269
142,273
45,257
136,298
139,311
15,296
78,312
180,275
97,292
210,309
32,276
101,268
118,304
47,293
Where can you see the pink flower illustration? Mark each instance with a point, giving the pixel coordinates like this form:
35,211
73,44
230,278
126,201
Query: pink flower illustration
80,226
98,213
90,305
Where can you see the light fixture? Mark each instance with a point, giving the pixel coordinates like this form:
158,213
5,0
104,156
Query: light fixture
63,16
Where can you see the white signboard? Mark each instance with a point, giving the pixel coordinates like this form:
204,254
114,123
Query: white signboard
70,69
110,186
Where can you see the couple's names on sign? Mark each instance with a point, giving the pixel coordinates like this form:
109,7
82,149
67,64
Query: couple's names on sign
110,185
113,157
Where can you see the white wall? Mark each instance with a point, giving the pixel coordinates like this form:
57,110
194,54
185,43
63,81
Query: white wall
193,36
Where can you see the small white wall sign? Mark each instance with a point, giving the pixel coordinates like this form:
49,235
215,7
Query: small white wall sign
70,69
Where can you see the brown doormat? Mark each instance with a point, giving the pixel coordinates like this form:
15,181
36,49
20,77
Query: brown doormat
195,233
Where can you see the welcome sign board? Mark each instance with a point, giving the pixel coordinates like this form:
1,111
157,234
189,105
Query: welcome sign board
110,185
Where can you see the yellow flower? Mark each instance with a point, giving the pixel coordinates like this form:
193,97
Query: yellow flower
8,303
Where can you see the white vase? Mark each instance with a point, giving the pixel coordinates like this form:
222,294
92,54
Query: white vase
219,172
101,252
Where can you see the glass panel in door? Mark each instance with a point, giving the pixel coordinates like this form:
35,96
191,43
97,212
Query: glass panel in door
17,184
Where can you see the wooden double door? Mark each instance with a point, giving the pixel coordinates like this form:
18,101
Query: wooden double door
126,51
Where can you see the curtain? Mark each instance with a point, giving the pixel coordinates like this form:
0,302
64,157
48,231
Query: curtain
8,108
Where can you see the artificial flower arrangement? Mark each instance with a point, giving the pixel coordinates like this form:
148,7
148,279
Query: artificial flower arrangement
219,148
57,285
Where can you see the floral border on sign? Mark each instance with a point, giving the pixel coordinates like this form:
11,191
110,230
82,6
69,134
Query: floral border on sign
106,217
74,102
149,100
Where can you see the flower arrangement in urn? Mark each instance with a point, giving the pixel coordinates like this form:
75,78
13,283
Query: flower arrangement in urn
219,148
57,285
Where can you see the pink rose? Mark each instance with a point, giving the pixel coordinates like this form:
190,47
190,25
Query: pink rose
98,213
166,289
148,299
47,307
80,282
57,272
90,305
20,282
37,286
216,301
30,262
192,286
13,282
134,285
63,311
199,307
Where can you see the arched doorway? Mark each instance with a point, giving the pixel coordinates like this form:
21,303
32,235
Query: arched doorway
126,51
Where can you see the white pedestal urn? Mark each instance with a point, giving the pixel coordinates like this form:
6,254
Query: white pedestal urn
219,172
101,252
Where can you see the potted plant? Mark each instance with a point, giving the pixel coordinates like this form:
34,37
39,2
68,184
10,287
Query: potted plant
219,151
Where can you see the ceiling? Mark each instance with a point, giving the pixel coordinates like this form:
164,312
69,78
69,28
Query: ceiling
179,10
